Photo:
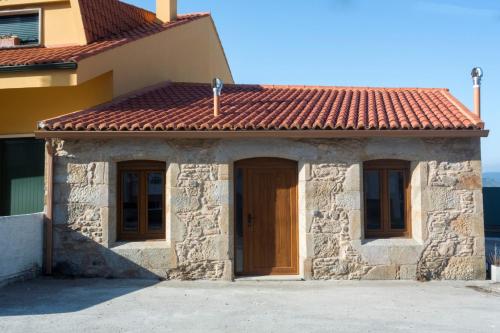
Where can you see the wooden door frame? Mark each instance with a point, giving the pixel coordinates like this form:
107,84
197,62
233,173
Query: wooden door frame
279,162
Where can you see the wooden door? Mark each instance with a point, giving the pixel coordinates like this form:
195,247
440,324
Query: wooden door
269,216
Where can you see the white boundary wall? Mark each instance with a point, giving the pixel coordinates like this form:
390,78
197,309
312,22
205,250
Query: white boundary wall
21,246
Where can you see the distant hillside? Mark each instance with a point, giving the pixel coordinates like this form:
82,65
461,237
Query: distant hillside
491,179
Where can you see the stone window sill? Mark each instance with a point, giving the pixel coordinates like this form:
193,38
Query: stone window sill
390,251
159,244
390,242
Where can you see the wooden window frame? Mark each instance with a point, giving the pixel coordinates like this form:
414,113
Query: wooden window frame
383,167
143,168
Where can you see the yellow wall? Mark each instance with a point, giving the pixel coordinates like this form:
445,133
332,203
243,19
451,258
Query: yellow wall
38,79
20,109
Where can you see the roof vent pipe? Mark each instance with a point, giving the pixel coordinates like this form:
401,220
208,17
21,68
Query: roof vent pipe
166,10
477,75
217,86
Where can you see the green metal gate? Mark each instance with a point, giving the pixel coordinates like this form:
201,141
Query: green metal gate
21,176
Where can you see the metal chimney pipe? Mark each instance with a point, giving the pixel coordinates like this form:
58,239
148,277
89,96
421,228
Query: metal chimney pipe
216,105
217,86
477,75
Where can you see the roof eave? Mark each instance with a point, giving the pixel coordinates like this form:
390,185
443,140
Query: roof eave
296,134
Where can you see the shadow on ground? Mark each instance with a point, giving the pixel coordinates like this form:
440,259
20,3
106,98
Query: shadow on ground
52,295
53,306
76,256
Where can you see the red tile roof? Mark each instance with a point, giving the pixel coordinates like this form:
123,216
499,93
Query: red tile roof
183,106
107,24
104,18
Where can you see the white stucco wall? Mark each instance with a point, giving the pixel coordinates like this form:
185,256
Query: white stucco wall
21,246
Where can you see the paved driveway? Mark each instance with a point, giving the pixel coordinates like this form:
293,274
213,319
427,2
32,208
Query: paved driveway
95,305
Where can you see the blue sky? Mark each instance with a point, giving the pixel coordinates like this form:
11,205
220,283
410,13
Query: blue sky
392,43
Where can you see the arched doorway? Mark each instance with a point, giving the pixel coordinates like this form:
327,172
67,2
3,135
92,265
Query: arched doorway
266,217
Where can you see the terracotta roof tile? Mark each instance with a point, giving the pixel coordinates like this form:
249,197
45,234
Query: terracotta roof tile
183,106
105,18
107,24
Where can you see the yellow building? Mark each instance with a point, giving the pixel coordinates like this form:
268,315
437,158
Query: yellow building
60,56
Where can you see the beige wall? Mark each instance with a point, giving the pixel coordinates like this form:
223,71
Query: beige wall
62,24
190,52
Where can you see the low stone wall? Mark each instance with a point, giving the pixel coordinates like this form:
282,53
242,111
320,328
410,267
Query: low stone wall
21,247
446,216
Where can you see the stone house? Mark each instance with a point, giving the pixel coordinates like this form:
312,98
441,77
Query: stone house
177,182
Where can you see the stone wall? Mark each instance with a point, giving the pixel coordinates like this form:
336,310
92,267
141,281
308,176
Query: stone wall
197,200
447,219
333,207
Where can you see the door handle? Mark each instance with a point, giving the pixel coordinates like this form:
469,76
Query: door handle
249,219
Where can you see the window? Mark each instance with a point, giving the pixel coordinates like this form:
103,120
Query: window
141,200
387,199
20,27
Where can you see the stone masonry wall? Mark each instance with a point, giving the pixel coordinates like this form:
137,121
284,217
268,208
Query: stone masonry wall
333,255
455,244
198,202
447,219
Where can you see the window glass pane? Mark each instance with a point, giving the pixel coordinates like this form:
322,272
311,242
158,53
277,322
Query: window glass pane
372,197
130,203
155,201
397,199
24,26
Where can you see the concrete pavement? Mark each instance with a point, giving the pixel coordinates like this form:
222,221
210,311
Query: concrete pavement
96,305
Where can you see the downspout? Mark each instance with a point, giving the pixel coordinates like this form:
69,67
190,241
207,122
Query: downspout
48,216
